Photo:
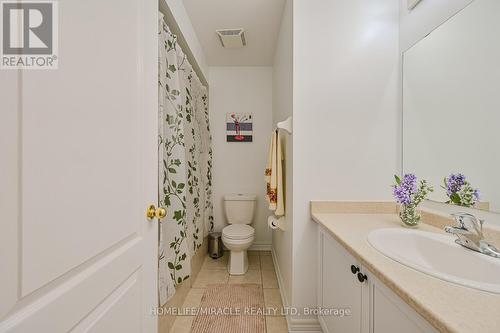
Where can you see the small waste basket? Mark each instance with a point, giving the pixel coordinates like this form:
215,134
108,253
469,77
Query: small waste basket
215,249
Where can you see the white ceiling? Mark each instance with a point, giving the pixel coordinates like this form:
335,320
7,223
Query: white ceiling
261,20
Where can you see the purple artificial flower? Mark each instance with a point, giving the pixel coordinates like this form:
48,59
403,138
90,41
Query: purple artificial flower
477,194
454,183
402,196
410,181
403,192
460,191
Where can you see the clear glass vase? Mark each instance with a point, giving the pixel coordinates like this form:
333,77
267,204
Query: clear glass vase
410,215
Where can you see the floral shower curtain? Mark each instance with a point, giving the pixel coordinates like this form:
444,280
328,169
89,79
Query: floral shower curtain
185,163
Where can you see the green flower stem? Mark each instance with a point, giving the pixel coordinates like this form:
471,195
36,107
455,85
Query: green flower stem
410,215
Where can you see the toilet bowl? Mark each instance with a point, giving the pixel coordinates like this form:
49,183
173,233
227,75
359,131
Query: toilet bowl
238,236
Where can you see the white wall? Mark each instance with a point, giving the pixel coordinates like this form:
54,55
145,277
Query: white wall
282,109
346,114
424,18
239,167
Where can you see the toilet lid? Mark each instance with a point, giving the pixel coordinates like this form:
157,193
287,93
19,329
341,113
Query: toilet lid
238,231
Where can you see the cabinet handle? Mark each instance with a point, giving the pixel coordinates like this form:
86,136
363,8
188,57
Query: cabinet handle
362,277
354,269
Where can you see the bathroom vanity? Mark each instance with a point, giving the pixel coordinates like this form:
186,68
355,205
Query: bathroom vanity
345,282
383,295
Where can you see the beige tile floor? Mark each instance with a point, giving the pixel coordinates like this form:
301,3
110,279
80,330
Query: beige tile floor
260,271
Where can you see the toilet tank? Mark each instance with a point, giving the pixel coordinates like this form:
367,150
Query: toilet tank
239,208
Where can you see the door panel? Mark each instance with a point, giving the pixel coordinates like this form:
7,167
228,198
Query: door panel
392,315
340,288
107,317
84,147
77,250
388,318
65,305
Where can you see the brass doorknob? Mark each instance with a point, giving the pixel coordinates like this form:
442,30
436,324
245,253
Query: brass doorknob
153,212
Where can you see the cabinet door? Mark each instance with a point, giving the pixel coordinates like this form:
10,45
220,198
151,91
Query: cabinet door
392,315
339,287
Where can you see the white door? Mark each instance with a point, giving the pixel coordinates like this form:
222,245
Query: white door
78,169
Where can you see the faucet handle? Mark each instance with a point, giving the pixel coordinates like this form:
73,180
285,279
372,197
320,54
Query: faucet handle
461,218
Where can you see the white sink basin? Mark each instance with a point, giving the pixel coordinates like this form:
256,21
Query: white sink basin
438,255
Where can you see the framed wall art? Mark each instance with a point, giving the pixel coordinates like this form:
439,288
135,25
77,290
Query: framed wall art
239,127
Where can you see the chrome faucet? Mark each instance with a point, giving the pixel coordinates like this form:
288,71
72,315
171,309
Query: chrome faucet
469,234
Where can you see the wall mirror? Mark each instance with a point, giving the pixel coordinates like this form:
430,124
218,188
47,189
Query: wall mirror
451,108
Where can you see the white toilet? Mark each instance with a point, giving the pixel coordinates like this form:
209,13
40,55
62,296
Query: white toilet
238,236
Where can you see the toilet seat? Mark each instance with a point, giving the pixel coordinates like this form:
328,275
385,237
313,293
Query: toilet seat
238,231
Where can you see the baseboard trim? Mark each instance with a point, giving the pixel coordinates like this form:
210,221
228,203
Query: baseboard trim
295,325
304,325
260,247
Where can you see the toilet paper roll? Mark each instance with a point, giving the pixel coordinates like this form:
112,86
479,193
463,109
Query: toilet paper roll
276,223
271,222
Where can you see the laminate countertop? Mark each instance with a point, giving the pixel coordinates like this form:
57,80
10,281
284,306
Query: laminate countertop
446,306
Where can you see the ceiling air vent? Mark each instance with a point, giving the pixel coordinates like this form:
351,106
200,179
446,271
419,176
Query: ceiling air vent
232,38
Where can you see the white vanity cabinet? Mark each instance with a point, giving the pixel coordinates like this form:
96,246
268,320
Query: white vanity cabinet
339,288
344,284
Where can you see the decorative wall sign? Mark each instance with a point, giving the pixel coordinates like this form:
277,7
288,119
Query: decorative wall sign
412,3
239,127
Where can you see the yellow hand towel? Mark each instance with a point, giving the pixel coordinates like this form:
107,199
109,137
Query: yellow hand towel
274,176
